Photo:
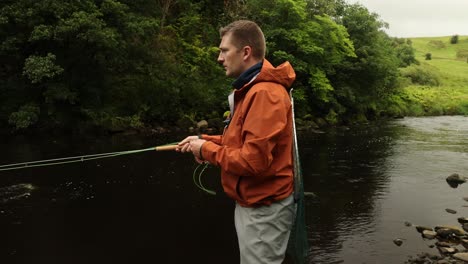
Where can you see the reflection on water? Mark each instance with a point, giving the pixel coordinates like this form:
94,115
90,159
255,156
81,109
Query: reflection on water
127,209
15,192
344,168
368,180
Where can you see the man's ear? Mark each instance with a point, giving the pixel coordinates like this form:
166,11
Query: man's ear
247,52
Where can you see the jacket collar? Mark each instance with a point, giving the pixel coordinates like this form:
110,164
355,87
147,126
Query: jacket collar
247,76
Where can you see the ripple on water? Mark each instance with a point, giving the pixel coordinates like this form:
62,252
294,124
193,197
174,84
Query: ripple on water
15,192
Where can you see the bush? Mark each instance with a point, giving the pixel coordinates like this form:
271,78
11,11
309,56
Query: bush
37,68
428,56
454,39
395,106
437,44
26,116
462,54
422,74
112,122
416,110
434,109
463,109
332,117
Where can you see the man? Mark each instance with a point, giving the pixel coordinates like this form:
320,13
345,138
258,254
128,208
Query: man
255,150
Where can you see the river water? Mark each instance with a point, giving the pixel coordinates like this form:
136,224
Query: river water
368,180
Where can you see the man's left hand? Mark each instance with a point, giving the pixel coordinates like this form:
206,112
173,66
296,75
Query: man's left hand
195,147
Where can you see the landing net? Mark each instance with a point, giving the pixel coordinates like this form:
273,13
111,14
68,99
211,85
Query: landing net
297,245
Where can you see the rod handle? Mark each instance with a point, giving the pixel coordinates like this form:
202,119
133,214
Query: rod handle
166,147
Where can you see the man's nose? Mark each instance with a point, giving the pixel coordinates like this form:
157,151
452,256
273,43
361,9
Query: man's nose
220,58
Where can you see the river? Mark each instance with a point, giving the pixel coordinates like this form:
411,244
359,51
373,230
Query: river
368,180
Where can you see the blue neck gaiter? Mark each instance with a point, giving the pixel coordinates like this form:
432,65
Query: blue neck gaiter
246,76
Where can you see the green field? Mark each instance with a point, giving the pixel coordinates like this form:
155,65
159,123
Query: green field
449,64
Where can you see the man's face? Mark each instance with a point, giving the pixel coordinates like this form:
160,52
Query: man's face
230,57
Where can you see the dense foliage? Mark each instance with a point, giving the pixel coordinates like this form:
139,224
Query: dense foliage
133,63
438,86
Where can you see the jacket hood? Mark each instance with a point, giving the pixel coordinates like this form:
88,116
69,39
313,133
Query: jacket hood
283,74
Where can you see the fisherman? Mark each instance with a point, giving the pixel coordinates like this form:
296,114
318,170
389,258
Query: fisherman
255,151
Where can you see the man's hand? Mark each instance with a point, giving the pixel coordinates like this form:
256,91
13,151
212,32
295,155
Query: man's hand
184,145
192,144
195,146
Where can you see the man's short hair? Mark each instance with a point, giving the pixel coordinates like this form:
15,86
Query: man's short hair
246,33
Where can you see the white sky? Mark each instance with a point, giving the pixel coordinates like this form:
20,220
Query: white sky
420,18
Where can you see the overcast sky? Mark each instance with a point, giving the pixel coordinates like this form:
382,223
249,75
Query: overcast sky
421,18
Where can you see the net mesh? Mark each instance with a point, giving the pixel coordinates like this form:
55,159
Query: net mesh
298,245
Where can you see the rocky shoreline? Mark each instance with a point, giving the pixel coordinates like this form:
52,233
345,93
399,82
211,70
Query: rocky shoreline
450,241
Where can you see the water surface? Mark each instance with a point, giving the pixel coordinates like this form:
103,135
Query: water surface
144,207
372,179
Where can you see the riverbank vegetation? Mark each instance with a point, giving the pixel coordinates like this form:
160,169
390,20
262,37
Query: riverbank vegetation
118,65
439,85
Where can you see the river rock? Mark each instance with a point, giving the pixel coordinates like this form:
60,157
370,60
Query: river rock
216,123
420,229
447,231
464,242
423,258
462,220
398,241
456,178
443,244
202,124
447,250
451,211
429,234
465,198
465,227
443,261
461,256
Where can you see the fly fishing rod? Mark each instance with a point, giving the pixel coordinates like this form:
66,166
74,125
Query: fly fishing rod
58,161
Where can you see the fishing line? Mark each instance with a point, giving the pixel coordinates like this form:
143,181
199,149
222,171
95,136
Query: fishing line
198,181
66,160
58,161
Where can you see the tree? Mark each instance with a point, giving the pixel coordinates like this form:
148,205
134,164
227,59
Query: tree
428,56
361,83
331,8
454,39
120,64
312,43
114,63
404,51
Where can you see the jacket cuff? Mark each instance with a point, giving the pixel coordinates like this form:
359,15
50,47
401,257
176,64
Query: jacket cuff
208,152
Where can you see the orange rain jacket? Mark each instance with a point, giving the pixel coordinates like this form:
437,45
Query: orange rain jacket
255,150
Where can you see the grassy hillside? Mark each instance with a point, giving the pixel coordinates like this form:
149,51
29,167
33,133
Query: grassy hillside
447,94
444,54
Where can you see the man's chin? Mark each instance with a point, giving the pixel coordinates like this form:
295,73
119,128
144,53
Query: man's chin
231,75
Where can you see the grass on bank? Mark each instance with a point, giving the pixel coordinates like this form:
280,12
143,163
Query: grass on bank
438,86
